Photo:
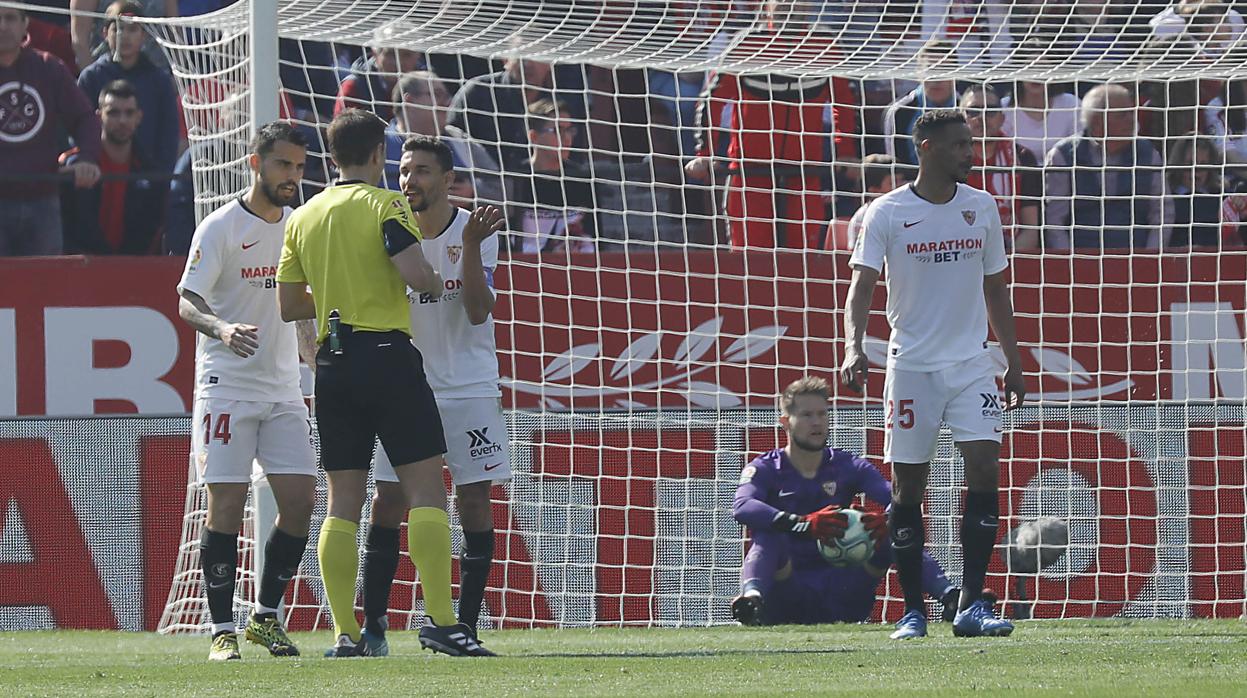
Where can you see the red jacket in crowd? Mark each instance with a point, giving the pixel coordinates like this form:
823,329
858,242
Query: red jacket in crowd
776,144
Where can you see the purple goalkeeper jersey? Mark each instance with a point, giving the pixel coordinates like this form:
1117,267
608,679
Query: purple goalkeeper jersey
771,484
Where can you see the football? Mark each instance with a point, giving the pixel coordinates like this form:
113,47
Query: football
853,549
1035,545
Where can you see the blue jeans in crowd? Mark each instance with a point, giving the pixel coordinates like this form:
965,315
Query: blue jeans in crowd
31,227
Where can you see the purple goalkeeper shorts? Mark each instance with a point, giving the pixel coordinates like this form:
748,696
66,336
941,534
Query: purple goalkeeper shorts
821,595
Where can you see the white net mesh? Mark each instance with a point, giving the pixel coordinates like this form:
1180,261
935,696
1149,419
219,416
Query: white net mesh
679,215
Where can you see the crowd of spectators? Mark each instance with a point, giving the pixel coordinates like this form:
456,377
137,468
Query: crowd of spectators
95,159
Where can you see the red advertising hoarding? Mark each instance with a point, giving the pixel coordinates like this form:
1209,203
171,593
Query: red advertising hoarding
1116,343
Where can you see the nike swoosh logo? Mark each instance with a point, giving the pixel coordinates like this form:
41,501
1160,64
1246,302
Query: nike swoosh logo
247,247
491,467
217,586
910,225
786,494
283,578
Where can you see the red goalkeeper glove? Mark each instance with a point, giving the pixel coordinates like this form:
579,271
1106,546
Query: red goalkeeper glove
824,524
876,525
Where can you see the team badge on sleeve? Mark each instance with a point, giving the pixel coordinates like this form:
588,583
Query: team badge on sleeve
195,258
747,474
969,216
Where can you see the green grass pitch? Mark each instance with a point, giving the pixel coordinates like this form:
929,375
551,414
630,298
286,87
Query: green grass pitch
1116,658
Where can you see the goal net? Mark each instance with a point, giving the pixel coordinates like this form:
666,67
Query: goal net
680,180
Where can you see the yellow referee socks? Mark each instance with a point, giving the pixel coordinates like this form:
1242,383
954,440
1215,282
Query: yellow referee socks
339,565
428,544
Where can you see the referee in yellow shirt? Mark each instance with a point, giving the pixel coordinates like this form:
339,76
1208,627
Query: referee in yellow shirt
357,247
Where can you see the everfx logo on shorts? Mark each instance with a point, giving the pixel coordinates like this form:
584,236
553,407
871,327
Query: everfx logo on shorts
991,405
482,445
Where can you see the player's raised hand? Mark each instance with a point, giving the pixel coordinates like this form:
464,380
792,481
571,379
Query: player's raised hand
241,339
1015,388
827,523
854,369
484,221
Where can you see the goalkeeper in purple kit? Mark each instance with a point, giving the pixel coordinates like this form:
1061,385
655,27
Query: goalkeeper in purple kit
790,498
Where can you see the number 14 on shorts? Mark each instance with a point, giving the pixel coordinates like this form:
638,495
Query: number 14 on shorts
220,432
901,412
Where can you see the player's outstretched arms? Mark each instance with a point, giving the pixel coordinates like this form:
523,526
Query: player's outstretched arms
241,339
1000,316
861,290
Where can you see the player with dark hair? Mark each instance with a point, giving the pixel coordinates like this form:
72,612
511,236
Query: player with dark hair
794,496
944,249
455,335
248,405
357,247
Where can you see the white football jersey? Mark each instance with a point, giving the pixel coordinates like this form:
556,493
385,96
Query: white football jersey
460,359
233,266
936,257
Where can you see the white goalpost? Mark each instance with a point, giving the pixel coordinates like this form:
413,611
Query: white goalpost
650,311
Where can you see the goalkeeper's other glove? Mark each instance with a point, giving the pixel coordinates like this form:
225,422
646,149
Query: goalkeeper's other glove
824,524
876,524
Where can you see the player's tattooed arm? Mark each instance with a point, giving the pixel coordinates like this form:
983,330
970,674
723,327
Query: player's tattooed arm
1000,316
306,331
241,339
478,298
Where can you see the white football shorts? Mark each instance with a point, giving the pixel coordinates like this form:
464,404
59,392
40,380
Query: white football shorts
477,447
227,435
963,396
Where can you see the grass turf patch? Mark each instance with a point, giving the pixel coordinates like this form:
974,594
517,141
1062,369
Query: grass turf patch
1121,657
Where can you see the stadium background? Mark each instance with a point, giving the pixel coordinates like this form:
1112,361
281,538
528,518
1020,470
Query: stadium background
637,385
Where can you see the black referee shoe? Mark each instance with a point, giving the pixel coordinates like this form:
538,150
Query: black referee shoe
455,640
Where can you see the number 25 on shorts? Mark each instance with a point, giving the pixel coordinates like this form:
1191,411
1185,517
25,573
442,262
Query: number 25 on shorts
903,412
220,432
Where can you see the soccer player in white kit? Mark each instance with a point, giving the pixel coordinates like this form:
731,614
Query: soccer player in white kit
943,246
248,403
455,335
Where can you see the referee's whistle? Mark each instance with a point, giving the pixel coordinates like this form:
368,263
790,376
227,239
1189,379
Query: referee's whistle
335,325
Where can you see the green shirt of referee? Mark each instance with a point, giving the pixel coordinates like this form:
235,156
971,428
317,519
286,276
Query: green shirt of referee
356,247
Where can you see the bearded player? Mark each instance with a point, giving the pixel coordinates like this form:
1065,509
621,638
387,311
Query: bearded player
943,246
794,496
248,404
455,335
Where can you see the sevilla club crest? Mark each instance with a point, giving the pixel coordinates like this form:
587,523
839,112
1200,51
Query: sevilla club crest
969,216
830,488
453,252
